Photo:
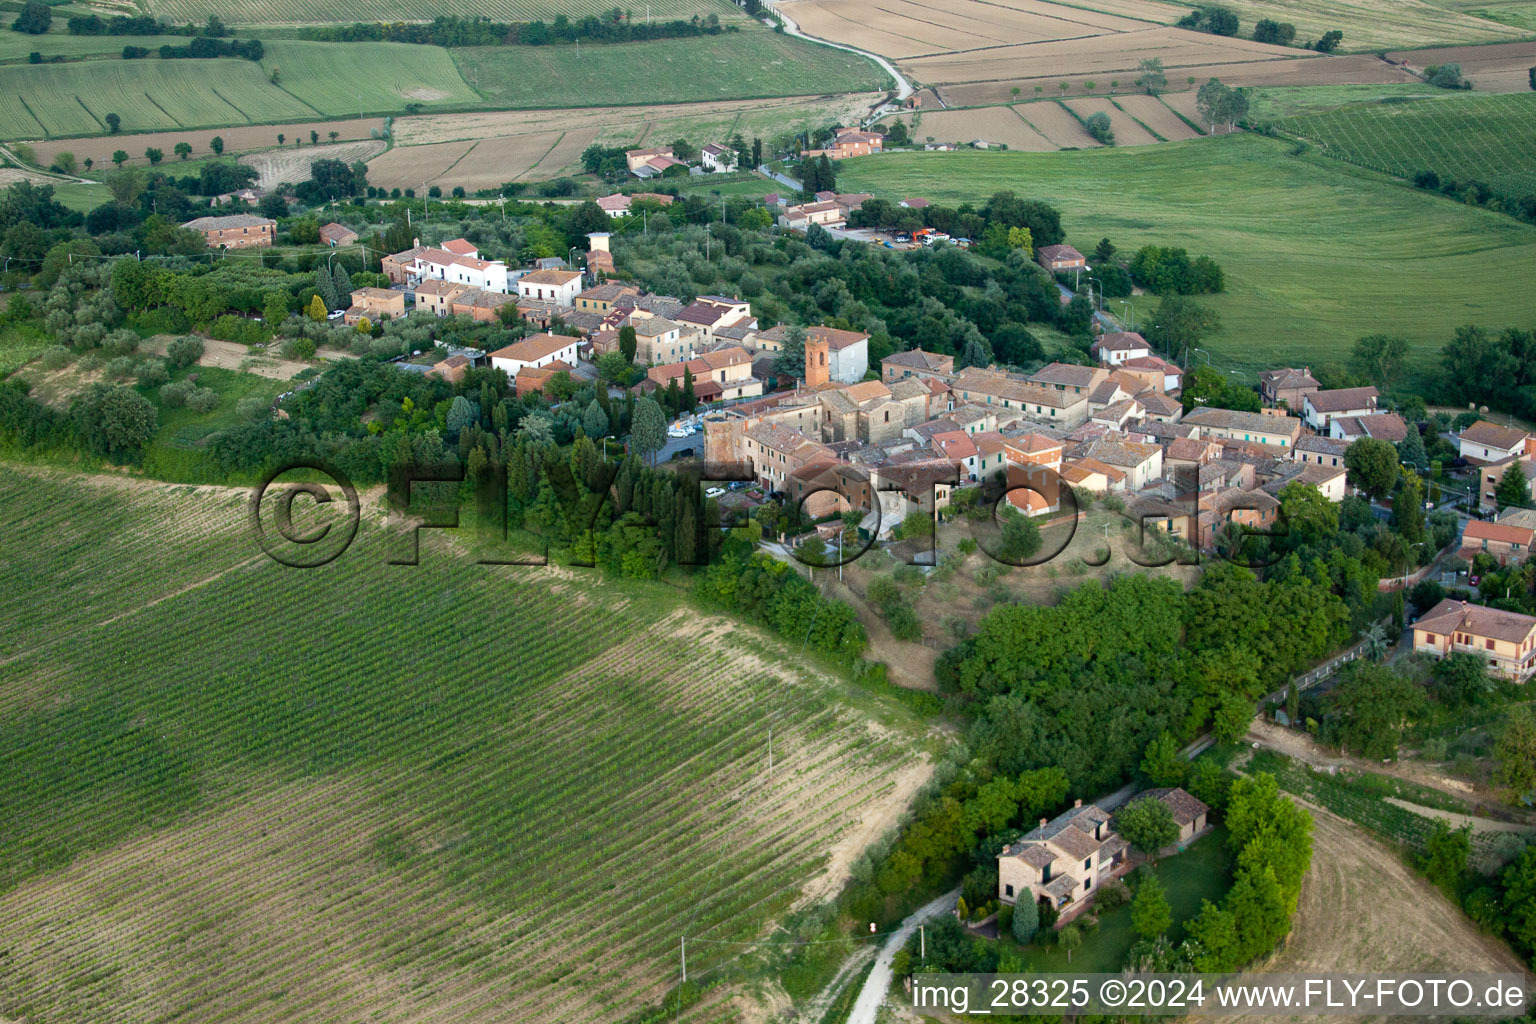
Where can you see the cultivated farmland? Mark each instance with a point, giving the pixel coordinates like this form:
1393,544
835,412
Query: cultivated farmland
1503,67
1486,138
295,12
751,63
1286,297
291,166
511,815
1127,131
351,79
1057,124
73,99
1156,115
236,140
993,124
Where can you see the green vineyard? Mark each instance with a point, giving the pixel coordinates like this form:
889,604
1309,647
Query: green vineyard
1491,139
240,792
341,79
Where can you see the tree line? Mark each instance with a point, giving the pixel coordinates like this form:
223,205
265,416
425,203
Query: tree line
613,26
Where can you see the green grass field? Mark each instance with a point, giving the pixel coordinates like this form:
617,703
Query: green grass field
339,79
14,46
380,792
1270,103
1316,253
741,65
1488,138
50,100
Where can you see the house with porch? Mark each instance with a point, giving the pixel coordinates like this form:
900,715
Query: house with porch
1505,640
1063,861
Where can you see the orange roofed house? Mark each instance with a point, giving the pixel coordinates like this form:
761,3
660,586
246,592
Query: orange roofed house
1505,640
850,142
535,352
237,231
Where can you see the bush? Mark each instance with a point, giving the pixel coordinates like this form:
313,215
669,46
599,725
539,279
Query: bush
1112,894
152,373
183,352
54,357
121,367
174,396
252,408
301,349
1098,126
203,400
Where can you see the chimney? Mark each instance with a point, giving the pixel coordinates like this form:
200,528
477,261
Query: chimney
416,241
1044,822
1077,803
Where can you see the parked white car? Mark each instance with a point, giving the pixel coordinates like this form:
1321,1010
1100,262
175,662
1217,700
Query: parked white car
336,314
714,492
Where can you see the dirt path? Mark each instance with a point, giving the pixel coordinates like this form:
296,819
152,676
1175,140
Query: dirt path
1303,748
229,355
907,664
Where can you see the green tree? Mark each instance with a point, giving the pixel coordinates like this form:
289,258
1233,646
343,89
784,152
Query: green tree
1373,466
1410,450
114,123
154,155
1150,913
34,18
1370,707
1069,938
594,422
1513,489
182,150
1520,899
1445,856
690,400
791,360
1147,824
114,420
1514,754
1180,324
1018,537
317,310
217,145
1379,358
1461,680
648,431
1026,918
119,157
628,343
1162,764
1153,79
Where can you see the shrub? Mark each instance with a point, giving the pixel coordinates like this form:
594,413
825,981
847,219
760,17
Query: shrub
183,352
54,357
174,396
121,367
203,400
1026,919
252,408
152,373
1112,894
301,349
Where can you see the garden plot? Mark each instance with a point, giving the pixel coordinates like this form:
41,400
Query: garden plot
1058,125
1127,131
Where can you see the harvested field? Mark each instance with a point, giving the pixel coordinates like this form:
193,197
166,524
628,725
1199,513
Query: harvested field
1156,115
11,175
235,139
1375,24
291,166
1295,71
994,124
1127,131
1058,125
412,166
1360,905
565,155
907,28
1499,68
490,162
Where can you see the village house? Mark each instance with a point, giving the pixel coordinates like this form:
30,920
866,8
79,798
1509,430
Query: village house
334,234
1140,462
709,313
914,203
452,369
437,296
457,261
1158,373
601,298
1484,442
536,351
718,375
375,304
479,304
559,287
1191,814
1321,408
828,213
237,231
535,379
1287,386
1509,538
1057,258
1329,481
1061,409
1117,347
1319,450
715,157
1490,475
661,340
1505,640
1160,408
1080,380
1062,861
1238,507
1257,427
917,363
1383,426
849,142
621,205
648,163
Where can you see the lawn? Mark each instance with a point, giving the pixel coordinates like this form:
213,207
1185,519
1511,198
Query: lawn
753,63
239,787
1269,103
355,79
1316,253
1486,138
1202,872
51,100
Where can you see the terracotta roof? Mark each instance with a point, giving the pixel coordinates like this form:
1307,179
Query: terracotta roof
1058,252
616,202
1342,399
1086,466
1185,807
1507,533
1450,616
460,247
1287,379
957,445
1187,449
334,232
1067,374
1493,435
1151,362
1322,445
1234,419
1159,404
1385,426
536,347
867,391
917,359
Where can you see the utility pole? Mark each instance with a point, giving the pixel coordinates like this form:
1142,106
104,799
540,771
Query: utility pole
683,939
770,752
922,943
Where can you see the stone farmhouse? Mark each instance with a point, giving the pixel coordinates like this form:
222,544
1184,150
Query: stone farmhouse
236,231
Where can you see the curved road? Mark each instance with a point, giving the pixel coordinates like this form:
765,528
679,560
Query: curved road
903,87
879,981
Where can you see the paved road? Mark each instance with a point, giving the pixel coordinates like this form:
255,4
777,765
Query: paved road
903,87
879,981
